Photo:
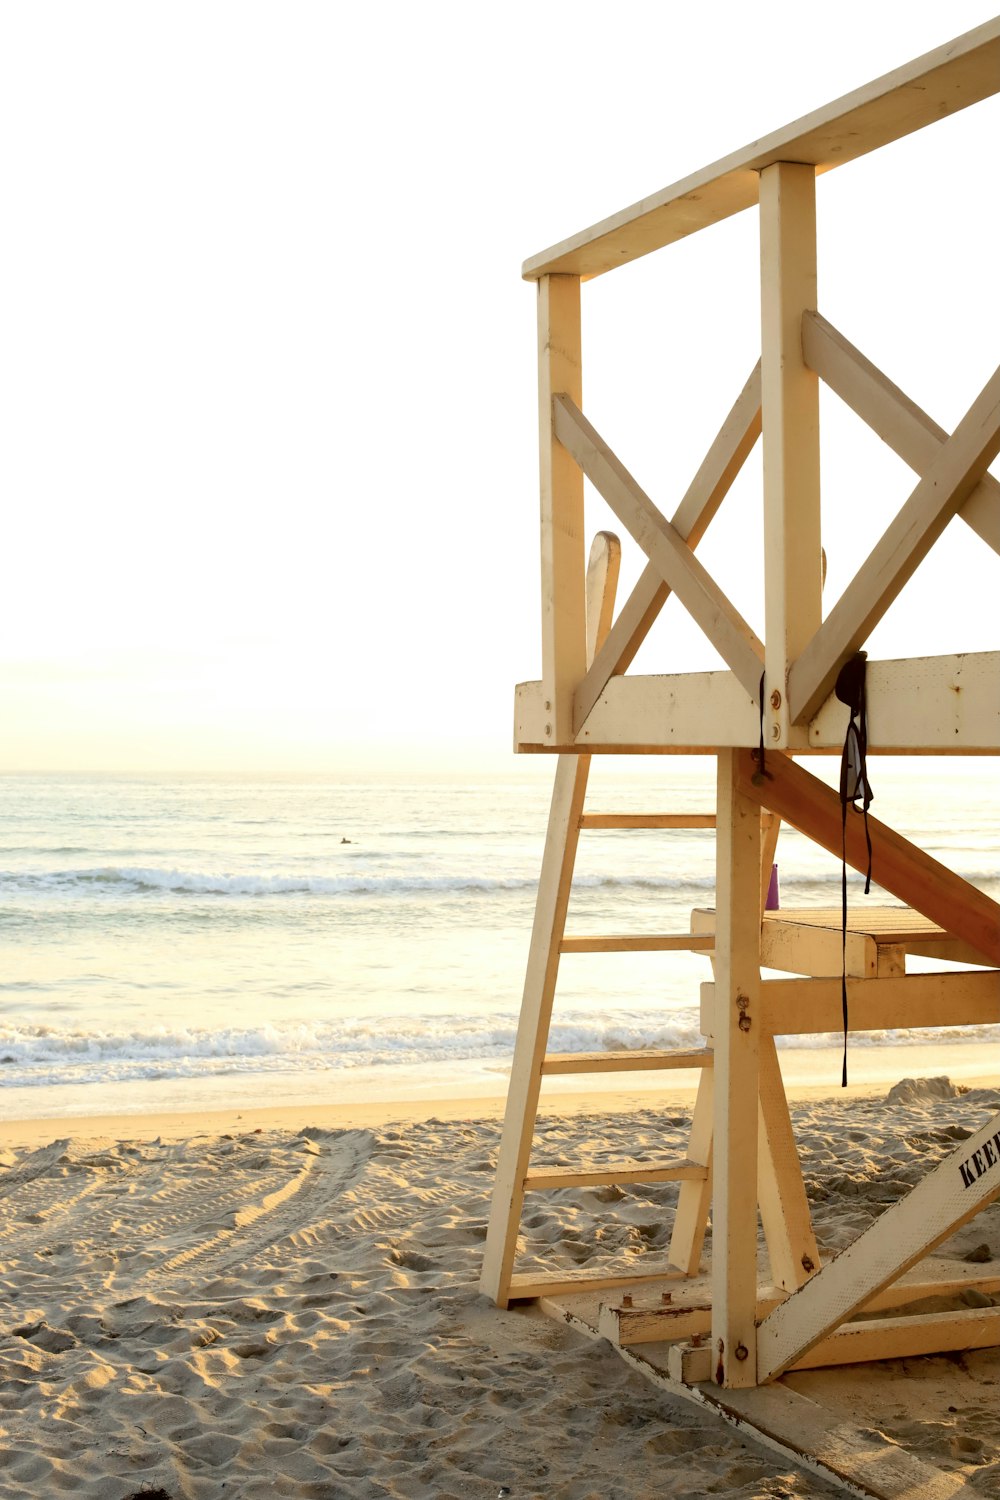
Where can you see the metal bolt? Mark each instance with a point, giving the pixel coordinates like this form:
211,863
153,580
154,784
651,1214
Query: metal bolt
627,1300
776,731
775,699
548,708
666,1297
548,729
696,1341
807,1264
742,1352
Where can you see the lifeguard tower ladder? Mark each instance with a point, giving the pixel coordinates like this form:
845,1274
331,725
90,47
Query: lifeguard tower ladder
774,697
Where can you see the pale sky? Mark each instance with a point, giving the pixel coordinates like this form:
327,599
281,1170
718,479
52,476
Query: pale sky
268,363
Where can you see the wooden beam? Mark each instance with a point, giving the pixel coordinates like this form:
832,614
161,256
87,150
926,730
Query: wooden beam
901,868
924,703
737,1037
899,422
939,83
954,1192
667,942
551,903
949,480
905,1338
550,1178
564,623
790,406
648,1059
648,820
811,1007
729,451
680,569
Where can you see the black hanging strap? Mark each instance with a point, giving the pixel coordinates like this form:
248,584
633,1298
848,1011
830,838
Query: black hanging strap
761,775
854,787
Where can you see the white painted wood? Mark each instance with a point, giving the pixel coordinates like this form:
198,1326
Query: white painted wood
899,422
946,705
564,624
737,1036
533,1025
948,1197
701,596
793,570
947,483
725,458
937,84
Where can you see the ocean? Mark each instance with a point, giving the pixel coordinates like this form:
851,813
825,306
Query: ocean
179,941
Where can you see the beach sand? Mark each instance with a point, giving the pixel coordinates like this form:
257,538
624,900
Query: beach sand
284,1303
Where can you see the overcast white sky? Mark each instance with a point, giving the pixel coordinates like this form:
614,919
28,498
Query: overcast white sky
268,363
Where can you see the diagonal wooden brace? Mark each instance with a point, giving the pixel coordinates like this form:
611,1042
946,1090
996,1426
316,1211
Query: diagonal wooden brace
812,807
950,1195
888,411
725,458
954,473
701,596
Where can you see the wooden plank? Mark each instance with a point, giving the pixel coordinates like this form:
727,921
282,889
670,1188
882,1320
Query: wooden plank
564,622
729,451
648,820
952,77
954,1192
956,469
897,865
646,1060
694,1200
551,903
906,1338
790,407
940,705
809,1007
549,1178
667,942
603,568
887,410
737,1035
680,569
930,703
781,1193
526,1286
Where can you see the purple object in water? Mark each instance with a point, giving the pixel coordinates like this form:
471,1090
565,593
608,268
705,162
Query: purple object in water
772,903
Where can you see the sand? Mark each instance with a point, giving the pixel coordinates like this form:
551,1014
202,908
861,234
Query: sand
265,1304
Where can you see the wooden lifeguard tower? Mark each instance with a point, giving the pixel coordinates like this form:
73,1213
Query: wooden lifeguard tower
770,708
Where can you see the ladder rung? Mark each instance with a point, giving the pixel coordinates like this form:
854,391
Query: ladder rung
663,942
627,1062
561,1283
647,820
615,1172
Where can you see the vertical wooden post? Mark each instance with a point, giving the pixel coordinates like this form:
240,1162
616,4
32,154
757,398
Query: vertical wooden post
793,567
561,842
564,631
737,1041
